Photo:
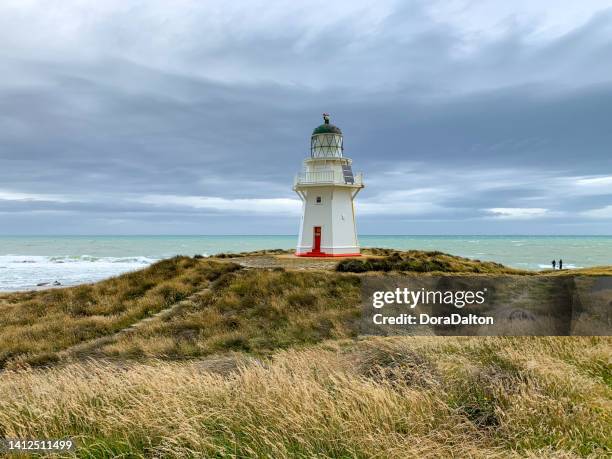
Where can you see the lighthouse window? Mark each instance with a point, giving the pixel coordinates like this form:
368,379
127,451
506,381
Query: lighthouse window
318,200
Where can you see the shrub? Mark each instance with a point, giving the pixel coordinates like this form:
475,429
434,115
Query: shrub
418,261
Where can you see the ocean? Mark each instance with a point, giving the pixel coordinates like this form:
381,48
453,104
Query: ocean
26,261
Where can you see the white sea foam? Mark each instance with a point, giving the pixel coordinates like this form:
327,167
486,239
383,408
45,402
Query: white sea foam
22,272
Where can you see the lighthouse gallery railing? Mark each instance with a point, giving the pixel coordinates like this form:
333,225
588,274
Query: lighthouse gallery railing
326,177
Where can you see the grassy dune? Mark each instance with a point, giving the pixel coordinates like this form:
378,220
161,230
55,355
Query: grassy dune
254,311
437,262
387,398
35,326
423,261
268,363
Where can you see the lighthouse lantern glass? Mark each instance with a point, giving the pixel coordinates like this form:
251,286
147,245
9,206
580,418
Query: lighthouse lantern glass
326,145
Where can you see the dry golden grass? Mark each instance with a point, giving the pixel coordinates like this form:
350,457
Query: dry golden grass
386,398
255,311
34,326
375,397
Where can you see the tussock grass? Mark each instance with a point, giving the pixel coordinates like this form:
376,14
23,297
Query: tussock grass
382,397
255,311
34,326
422,262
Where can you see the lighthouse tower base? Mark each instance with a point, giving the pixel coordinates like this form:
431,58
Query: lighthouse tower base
322,254
328,223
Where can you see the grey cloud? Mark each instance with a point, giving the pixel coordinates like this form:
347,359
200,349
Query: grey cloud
148,108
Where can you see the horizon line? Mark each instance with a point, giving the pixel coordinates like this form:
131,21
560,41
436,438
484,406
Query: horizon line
295,235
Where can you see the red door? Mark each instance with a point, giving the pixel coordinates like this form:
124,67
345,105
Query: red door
316,247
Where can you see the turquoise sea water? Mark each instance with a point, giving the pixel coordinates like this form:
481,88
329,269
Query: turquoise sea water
26,261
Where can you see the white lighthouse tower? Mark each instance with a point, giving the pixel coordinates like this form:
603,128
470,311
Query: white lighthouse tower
327,187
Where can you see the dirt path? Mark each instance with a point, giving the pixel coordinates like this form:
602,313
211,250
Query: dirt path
271,261
249,262
91,345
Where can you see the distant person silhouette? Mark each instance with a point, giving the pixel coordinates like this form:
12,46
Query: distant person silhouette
560,264
554,263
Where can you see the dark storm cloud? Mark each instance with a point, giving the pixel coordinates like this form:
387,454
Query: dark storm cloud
170,118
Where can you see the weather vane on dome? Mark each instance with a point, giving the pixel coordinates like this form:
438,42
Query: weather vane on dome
326,118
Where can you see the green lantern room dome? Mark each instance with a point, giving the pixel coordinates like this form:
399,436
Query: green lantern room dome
326,127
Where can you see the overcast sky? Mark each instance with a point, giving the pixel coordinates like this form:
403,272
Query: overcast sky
192,117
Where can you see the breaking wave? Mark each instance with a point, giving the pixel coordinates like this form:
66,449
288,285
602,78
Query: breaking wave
24,272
